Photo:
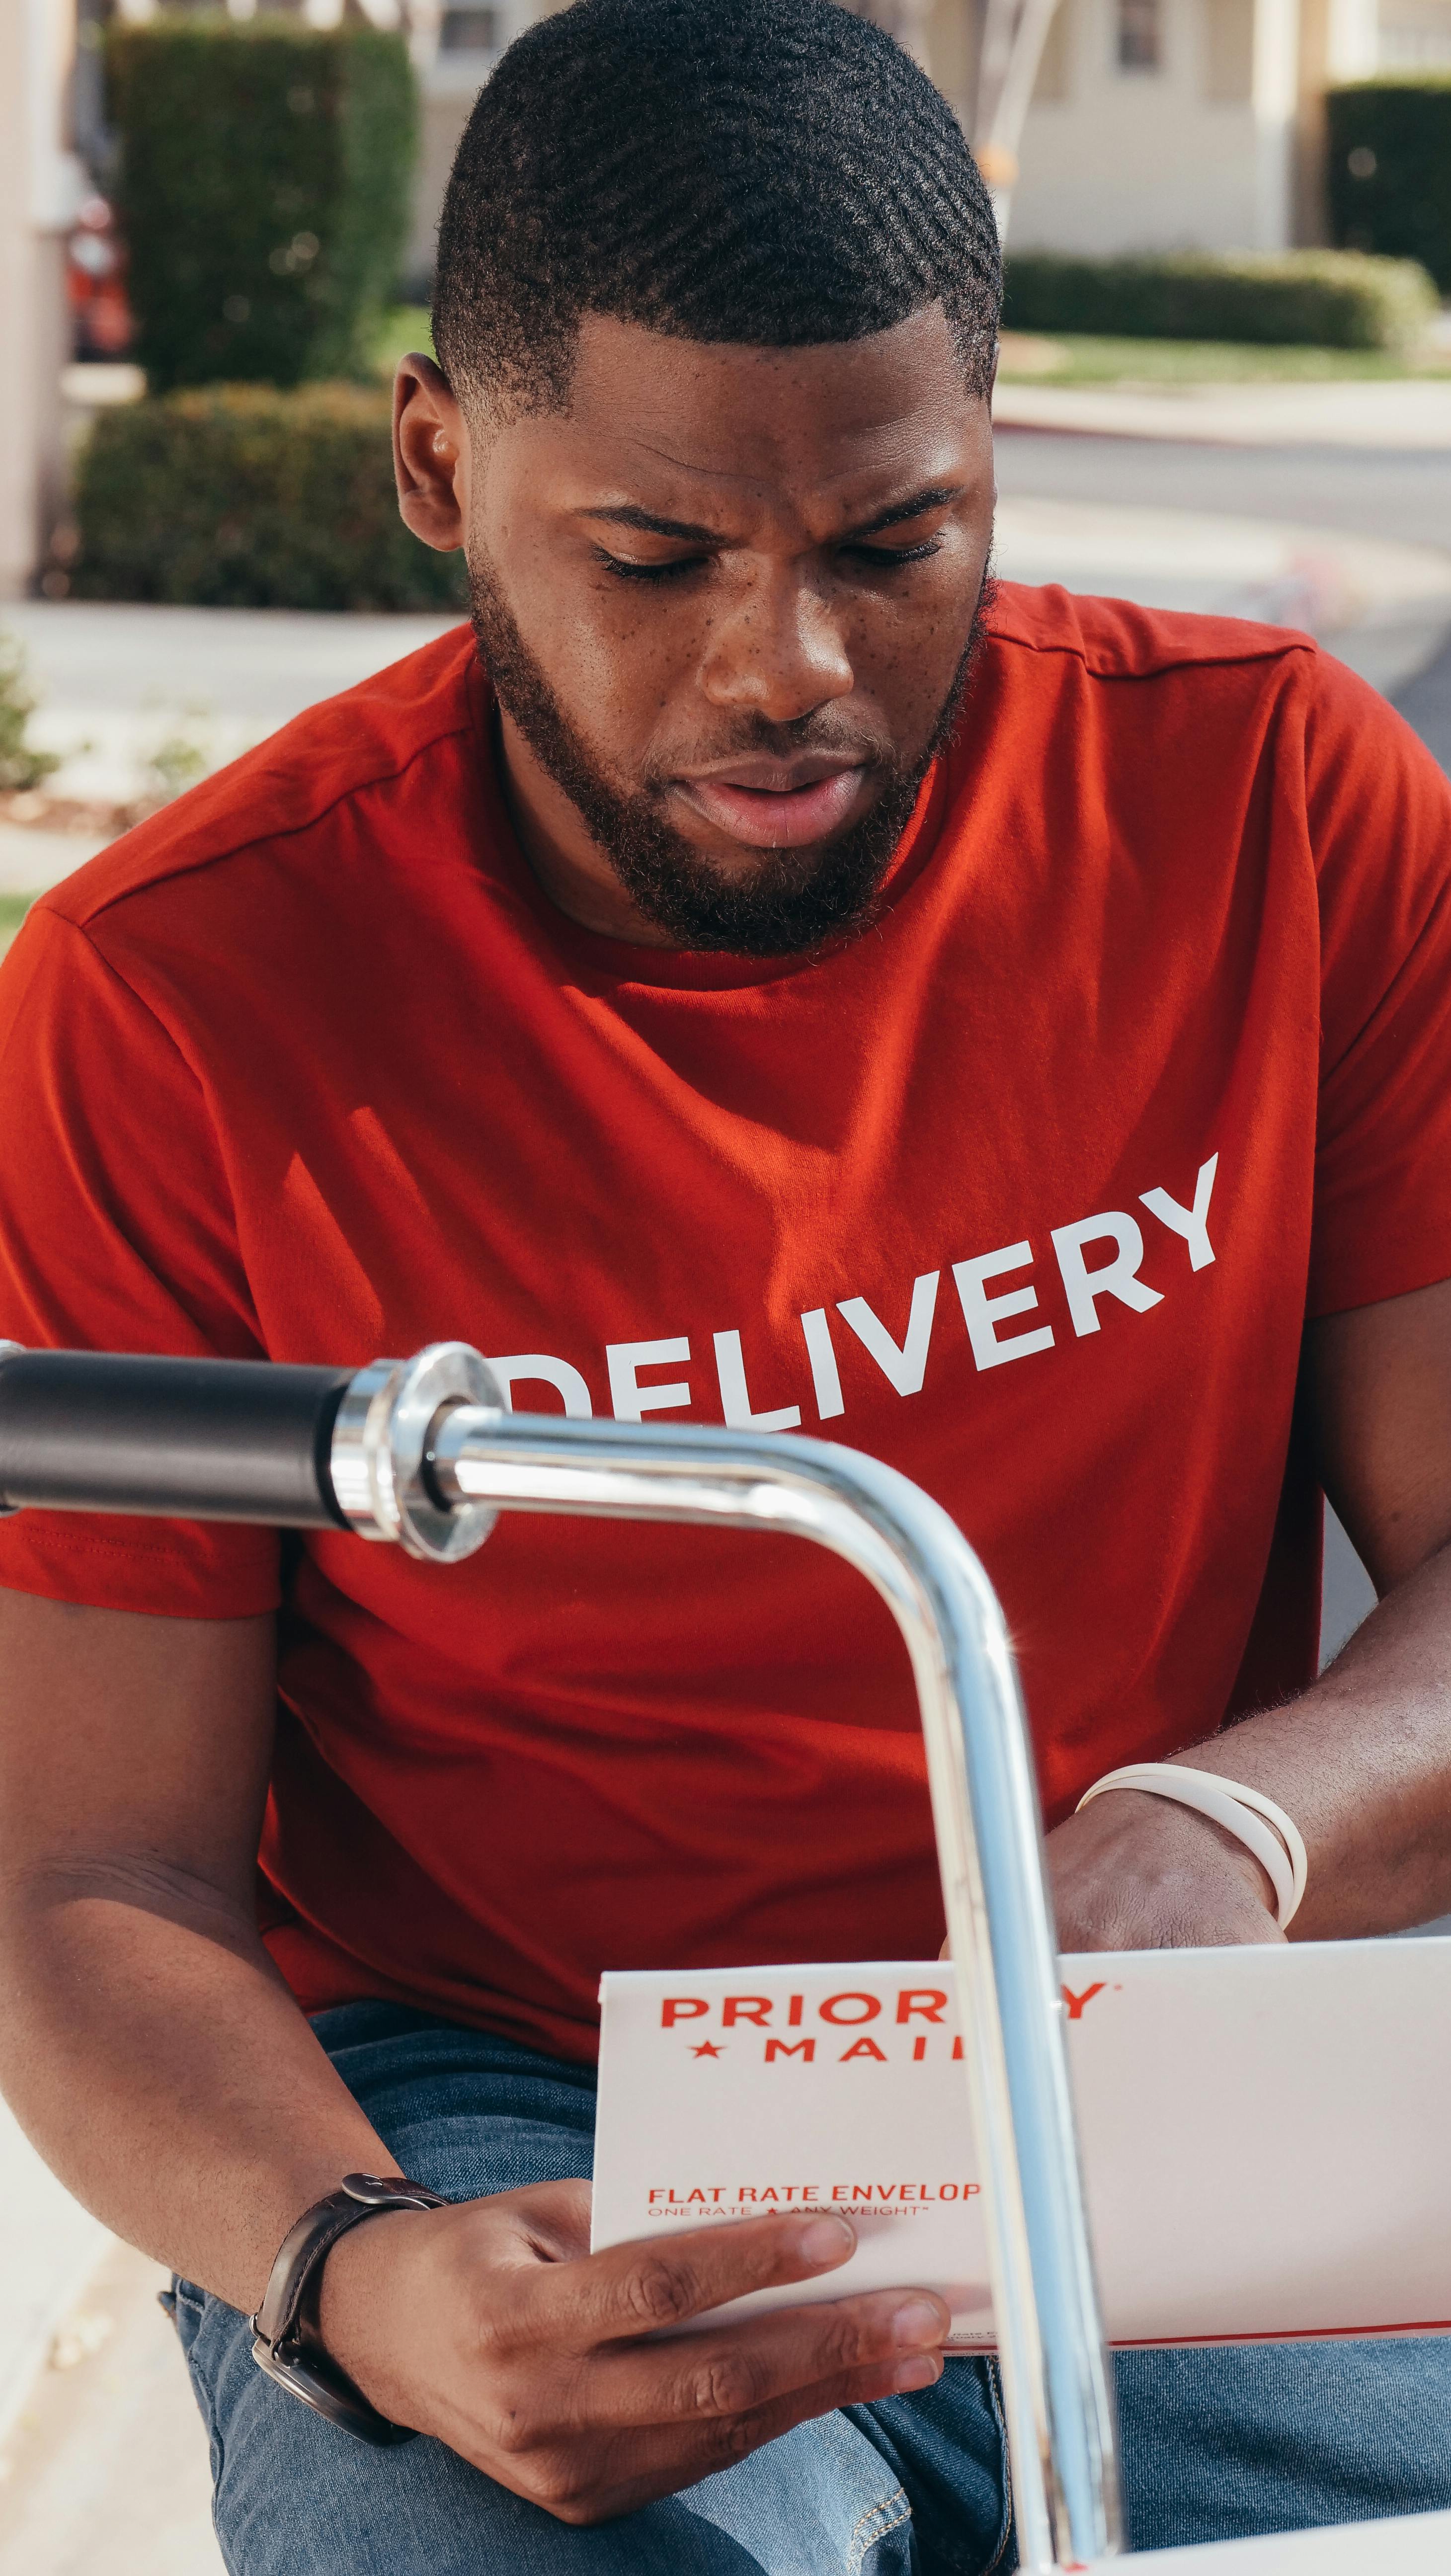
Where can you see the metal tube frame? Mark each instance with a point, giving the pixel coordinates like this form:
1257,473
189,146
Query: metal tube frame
1056,2384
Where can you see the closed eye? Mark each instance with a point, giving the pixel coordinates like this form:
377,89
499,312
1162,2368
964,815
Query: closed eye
891,558
622,569
879,558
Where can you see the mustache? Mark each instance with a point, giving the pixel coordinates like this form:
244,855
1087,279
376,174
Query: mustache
818,731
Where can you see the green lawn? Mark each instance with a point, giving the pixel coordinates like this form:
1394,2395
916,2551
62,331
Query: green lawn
1072,358
13,909
1078,358
403,327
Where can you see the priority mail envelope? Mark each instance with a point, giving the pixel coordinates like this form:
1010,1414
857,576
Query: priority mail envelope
1266,2132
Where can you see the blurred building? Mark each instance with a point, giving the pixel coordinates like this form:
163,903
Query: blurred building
1188,124
41,186
1155,124
455,47
1415,35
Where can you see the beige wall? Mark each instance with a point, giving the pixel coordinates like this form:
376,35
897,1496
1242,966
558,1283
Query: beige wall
37,199
1415,34
952,33
1220,148
444,119
450,84
1118,160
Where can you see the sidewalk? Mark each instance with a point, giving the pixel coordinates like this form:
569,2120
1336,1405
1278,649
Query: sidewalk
103,2457
1412,413
106,2470
1382,607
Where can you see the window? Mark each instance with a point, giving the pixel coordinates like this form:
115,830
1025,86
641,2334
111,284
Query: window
467,29
1139,36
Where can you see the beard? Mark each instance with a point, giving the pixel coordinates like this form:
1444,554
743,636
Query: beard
787,902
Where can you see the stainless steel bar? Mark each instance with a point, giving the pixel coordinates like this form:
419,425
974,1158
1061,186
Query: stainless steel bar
1056,2382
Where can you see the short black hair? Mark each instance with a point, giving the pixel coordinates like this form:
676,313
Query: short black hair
777,173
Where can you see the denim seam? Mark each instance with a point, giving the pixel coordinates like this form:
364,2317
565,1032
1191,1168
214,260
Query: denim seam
947,2549
1009,2502
863,2539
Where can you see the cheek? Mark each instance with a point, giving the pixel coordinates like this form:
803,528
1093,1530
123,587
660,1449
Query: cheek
622,661
905,650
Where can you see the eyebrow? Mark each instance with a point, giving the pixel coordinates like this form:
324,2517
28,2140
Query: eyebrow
935,497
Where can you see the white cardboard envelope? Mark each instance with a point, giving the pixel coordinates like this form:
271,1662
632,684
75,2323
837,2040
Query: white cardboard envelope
1266,2132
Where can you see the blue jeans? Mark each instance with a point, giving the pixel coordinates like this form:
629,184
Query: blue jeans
1263,2437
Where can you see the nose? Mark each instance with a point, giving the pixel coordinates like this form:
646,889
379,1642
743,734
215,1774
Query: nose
776,650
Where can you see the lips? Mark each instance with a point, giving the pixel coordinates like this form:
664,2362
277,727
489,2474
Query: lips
770,817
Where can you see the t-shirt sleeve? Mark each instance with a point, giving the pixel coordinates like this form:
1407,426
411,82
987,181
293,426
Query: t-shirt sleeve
1379,816
116,1234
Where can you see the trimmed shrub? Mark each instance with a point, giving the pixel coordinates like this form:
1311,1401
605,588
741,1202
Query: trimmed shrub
1389,168
242,496
263,191
22,767
1337,299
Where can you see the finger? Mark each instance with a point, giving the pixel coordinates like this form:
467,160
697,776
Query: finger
637,2289
637,2468
691,2379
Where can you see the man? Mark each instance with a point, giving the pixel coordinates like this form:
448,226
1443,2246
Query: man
772,979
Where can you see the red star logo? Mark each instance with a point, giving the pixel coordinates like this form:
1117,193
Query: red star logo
707,2048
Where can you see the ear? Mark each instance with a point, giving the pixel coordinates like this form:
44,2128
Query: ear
431,456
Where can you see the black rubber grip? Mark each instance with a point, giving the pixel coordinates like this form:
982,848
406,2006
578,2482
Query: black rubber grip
202,1440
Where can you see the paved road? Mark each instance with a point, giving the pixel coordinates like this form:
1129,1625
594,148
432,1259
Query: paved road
1400,494
1367,492
1426,703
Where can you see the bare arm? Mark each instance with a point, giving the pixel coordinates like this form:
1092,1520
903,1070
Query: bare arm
164,2071
1362,1761
146,2041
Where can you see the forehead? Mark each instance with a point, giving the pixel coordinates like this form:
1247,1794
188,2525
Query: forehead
675,416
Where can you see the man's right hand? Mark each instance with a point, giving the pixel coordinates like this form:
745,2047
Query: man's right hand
158,2061
490,2325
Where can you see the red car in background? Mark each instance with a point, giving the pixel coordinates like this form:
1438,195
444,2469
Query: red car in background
101,318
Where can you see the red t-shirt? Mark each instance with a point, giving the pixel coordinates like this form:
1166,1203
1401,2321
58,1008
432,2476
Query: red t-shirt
1148,1054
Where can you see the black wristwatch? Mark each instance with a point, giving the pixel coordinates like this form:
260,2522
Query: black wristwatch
287,2343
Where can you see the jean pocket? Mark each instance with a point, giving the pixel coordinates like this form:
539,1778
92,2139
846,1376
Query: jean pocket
188,2308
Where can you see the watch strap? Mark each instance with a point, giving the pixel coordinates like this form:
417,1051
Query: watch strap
287,2344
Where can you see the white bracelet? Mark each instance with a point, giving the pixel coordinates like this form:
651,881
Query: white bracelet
1284,1860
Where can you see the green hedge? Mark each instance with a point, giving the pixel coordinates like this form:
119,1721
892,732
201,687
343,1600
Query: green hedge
241,496
263,191
1389,167
1336,299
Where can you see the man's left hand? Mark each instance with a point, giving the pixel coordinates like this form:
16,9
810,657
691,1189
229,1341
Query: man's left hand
1135,1872
1362,1760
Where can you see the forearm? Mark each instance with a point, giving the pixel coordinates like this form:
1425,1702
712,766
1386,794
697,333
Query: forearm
1362,1761
152,2053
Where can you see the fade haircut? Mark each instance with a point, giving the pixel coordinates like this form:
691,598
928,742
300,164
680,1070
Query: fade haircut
777,173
